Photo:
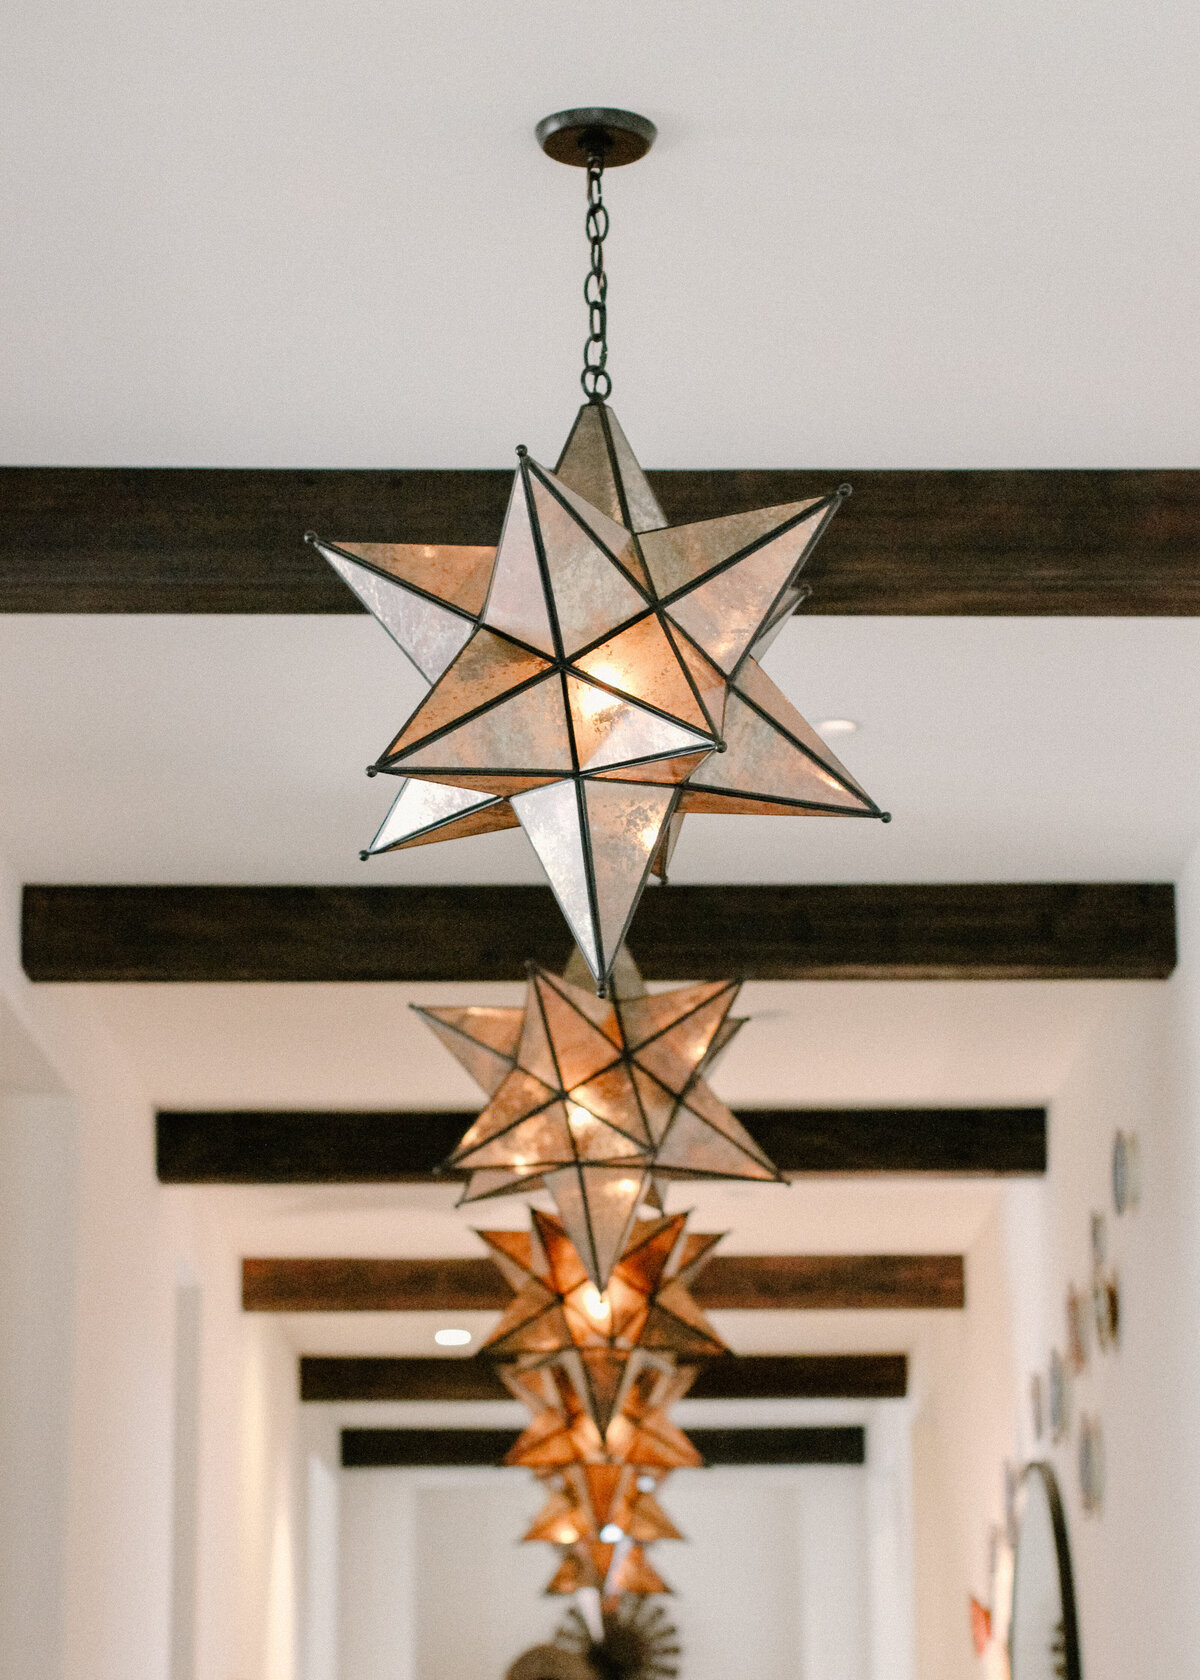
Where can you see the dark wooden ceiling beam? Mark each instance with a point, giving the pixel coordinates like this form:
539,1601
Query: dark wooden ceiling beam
418,1449
163,540
791,1282
406,1147
982,931
729,1282
805,1376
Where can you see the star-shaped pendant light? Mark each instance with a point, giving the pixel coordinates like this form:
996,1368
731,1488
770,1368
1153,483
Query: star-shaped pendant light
589,1501
602,1338
611,1570
595,678
592,1097
562,1431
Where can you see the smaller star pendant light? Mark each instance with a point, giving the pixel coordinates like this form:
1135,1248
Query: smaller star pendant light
599,1372
610,1569
563,1431
595,1099
645,1318
594,678
589,1498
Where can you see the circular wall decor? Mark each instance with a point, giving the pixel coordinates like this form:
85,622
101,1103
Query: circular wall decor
1091,1464
1078,1326
1037,1408
1044,1632
1126,1172
1059,1397
1106,1306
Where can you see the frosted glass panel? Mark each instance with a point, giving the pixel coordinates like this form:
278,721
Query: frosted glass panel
429,634
550,817
517,600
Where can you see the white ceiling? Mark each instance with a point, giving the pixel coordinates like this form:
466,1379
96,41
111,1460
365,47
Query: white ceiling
932,234
809,1044
149,749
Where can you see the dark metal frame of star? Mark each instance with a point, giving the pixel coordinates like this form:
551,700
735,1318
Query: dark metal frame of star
624,1057
655,607
674,1277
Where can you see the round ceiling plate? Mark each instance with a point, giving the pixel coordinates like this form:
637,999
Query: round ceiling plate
571,136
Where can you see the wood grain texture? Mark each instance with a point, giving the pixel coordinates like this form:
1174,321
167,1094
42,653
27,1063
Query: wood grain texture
360,1285
385,1449
982,931
809,1444
803,1376
414,1449
809,1376
329,1379
791,1282
1095,543
738,1282
403,1146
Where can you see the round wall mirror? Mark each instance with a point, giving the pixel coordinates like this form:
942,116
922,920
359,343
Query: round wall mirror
1044,1636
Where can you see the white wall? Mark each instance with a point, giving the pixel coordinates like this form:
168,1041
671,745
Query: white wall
37,1277
271,1555
1136,1563
773,1581
91,1251
963,1383
434,1585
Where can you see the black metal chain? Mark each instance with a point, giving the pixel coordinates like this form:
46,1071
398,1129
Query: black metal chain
597,385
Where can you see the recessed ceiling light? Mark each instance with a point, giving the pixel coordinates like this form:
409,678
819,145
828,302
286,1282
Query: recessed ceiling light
452,1338
837,726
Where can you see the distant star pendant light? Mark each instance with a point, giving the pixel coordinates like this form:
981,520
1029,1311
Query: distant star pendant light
593,1098
602,1338
593,678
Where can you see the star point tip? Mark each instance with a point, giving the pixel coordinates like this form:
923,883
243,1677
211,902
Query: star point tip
311,537
845,491
372,769
522,452
885,816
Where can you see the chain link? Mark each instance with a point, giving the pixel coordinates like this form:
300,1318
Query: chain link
597,385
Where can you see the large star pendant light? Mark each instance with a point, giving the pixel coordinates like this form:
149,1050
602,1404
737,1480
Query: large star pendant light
591,1097
602,1338
594,678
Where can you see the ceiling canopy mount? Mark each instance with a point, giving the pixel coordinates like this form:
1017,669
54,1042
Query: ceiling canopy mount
577,136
